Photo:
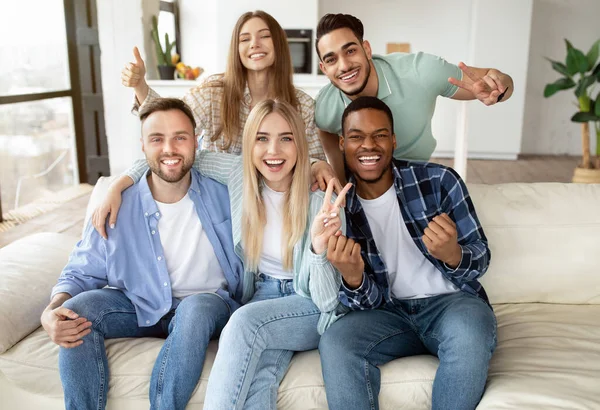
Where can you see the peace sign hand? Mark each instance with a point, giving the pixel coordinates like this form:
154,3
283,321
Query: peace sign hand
489,88
328,223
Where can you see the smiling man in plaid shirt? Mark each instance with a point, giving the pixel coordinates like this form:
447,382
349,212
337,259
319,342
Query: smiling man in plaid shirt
410,263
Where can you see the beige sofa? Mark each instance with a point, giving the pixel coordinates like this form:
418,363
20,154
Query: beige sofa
544,282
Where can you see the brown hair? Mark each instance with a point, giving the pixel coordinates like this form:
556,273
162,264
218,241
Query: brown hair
166,104
234,79
330,22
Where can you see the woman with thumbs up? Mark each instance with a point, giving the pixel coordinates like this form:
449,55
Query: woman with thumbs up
259,66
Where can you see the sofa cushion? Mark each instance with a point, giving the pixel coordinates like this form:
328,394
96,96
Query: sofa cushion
29,269
544,240
548,356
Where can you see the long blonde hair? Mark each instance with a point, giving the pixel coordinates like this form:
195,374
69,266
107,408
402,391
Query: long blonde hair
234,79
295,204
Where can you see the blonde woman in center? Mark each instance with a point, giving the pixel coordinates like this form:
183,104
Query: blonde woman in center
280,230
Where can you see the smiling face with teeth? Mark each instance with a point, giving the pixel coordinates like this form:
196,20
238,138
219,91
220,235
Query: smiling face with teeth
346,61
274,153
368,145
256,45
169,142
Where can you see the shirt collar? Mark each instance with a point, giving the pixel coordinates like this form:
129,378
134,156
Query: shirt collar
149,204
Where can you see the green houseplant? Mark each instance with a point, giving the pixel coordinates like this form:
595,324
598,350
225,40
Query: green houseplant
166,66
582,72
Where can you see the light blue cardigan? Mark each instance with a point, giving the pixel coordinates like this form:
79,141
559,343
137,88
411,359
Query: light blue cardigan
314,276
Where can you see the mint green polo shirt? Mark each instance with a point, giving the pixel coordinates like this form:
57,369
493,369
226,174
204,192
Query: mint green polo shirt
409,84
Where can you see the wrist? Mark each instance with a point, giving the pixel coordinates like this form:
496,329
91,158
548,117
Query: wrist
141,91
318,250
353,283
454,260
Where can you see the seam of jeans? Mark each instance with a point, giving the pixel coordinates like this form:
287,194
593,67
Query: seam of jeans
108,311
236,395
274,387
369,385
101,370
370,347
163,365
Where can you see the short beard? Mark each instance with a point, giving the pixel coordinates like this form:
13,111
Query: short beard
364,84
171,178
356,176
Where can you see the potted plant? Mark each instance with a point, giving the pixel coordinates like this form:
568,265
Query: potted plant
581,72
166,60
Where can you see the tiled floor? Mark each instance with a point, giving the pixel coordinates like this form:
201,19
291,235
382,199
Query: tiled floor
69,217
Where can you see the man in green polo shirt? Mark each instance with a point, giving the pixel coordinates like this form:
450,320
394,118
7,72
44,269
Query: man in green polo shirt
408,83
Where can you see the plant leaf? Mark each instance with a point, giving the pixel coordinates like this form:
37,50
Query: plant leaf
592,55
584,117
583,84
561,84
560,67
597,106
577,62
596,72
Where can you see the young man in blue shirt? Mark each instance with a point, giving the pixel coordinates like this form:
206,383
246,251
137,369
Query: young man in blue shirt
410,263
167,270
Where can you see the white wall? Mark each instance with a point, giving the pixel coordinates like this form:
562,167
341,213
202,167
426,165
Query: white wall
122,25
443,28
547,128
199,32
290,15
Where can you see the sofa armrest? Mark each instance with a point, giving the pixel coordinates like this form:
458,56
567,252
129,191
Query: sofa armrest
29,268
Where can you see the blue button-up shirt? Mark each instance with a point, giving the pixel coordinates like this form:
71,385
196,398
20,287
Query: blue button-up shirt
424,190
132,259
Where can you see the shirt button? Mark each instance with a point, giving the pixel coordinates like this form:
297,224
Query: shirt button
159,258
146,214
153,232
157,214
165,284
147,322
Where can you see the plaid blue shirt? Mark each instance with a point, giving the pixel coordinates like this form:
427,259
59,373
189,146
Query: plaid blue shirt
424,190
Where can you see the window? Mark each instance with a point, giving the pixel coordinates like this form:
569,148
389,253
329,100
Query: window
37,145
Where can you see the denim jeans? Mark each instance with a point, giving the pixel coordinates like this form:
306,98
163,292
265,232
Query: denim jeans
188,329
458,328
257,345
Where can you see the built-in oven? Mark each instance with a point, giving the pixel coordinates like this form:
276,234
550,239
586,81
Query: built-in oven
300,42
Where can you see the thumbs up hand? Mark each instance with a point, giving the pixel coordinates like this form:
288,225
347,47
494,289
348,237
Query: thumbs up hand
133,75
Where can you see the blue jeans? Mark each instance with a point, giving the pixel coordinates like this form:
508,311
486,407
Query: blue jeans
188,329
458,328
257,345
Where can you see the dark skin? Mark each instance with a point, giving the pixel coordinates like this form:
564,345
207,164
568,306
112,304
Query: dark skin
367,146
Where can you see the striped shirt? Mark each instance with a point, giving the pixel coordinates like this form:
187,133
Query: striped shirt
205,103
424,190
314,276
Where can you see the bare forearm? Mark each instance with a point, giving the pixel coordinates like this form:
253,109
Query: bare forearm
331,147
121,184
141,92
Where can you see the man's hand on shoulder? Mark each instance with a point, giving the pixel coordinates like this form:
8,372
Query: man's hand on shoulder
64,326
344,255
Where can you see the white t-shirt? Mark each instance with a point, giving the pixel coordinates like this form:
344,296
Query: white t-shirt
410,273
270,258
191,261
